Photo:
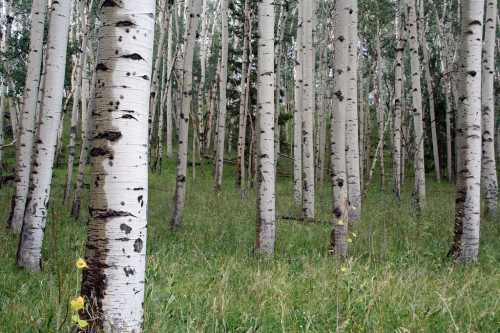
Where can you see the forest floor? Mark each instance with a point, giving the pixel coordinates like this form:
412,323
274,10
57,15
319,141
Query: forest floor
205,277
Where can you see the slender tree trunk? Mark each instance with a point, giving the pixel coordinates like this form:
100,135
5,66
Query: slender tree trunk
343,19
187,97
221,119
266,201
169,100
29,254
430,92
380,108
298,111
308,180
489,173
468,202
28,115
419,192
398,96
352,121
322,119
4,46
113,283
87,111
240,159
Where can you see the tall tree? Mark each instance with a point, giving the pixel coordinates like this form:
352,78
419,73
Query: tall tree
194,8
343,21
419,191
221,119
308,68
468,211
29,254
113,283
489,170
398,96
266,211
27,124
298,110
352,120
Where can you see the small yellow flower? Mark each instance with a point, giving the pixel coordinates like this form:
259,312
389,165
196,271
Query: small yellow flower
354,235
340,222
343,269
82,323
77,303
349,240
75,318
81,263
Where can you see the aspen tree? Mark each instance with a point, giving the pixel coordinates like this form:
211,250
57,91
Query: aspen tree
28,115
298,111
468,211
194,8
113,283
29,254
398,96
419,191
343,19
489,173
266,228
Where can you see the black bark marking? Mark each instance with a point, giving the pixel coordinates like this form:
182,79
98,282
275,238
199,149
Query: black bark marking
133,56
109,135
108,213
128,271
125,228
138,245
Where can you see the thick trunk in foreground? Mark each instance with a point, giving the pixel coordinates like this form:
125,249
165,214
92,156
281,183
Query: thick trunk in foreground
28,115
113,283
29,254
266,215
468,202
489,174
187,97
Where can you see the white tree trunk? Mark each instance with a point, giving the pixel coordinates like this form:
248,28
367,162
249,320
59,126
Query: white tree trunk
28,115
113,283
169,101
489,173
352,121
5,33
468,210
221,119
266,201
297,116
187,97
398,99
308,112
342,35
30,247
419,192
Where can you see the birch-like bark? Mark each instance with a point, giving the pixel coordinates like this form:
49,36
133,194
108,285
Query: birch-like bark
489,173
4,46
352,121
168,98
419,191
266,201
380,96
29,254
75,114
87,110
343,21
28,115
430,91
298,110
308,111
113,283
221,119
242,125
194,8
398,96
468,202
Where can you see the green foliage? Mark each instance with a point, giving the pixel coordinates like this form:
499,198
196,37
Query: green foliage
205,278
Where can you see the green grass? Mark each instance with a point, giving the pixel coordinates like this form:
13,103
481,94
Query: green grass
205,277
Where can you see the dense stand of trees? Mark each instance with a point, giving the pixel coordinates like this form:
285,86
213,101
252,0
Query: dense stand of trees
272,86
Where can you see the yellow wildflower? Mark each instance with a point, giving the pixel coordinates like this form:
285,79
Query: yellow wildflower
75,318
81,263
349,240
354,235
82,323
343,269
77,303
